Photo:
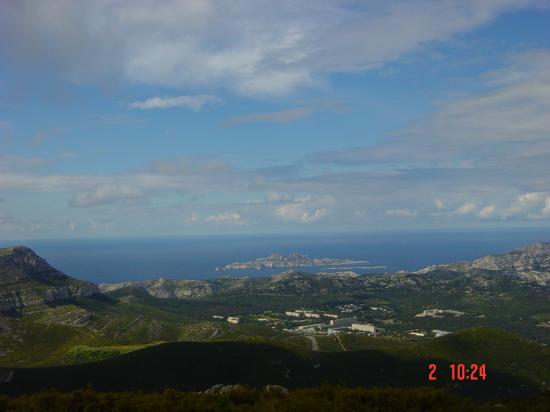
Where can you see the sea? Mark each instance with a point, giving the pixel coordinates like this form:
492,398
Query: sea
196,257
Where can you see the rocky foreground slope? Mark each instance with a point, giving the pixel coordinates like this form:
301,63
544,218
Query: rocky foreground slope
27,279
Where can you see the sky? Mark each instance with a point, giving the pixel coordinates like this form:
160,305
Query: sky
146,118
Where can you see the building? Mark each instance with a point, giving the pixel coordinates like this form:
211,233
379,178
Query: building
217,317
233,319
343,323
363,327
309,328
293,314
312,315
330,315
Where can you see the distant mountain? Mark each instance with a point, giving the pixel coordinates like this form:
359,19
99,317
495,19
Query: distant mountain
530,263
27,279
289,281
291,261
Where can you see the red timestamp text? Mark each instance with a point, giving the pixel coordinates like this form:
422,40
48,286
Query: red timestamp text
460,372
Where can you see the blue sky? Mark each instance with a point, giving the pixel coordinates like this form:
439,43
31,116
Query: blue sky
122,118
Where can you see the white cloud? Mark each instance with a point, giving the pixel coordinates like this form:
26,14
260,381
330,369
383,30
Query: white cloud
300,213
531,197
96,225
251,46
525,203
546,209
274,197
194,218
466,208
106,194
196,102
224,217
439,204
487,212
400,213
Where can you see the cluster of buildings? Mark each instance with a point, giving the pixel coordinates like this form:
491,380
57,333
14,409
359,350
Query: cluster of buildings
437,333
351,323
230,319
349,308
309,314
438,313
335,325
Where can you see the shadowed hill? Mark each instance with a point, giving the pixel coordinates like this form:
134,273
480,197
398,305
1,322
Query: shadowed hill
197,366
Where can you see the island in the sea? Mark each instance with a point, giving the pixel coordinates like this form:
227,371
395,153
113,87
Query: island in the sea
291,261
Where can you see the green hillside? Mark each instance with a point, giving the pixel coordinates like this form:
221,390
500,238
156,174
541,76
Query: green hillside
515,367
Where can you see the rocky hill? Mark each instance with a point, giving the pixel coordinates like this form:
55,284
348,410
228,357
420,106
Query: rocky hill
291,261
27,279
530,263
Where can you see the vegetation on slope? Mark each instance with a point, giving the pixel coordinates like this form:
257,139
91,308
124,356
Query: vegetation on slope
325,398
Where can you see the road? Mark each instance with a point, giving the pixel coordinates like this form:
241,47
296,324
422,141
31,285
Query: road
314,343
340,341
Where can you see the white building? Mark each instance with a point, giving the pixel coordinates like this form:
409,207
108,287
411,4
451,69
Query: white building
343,323
312,315
310,328
330,315
363,327
293,314
233,319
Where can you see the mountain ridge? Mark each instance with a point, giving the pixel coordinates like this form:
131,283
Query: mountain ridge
529,264
27,279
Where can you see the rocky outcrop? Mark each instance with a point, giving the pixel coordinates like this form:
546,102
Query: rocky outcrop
291,261
530,263
26,279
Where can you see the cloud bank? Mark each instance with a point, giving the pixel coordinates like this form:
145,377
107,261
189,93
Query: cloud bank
253,47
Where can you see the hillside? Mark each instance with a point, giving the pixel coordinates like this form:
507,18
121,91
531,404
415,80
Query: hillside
239,398
530,263
198,366
51,319
26,280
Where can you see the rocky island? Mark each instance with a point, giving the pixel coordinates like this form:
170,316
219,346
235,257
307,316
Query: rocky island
291,261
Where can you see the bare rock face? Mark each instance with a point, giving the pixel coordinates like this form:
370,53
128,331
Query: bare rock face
20,263
534,257
26,279
530,263
165,288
